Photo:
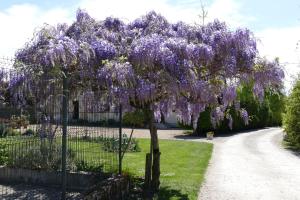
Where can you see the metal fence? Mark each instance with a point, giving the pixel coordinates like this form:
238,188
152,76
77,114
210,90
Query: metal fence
55,146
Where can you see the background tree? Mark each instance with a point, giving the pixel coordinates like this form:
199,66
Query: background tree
154,66
292,116
261,114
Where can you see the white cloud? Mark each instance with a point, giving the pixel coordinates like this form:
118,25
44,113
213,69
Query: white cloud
282,43
19,22
188,11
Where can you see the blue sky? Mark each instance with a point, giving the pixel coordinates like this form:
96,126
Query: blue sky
275,23
268,13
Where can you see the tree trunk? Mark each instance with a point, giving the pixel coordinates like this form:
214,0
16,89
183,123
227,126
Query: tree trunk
154,150
156,161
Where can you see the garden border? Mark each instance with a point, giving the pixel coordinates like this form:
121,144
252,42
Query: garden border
77,181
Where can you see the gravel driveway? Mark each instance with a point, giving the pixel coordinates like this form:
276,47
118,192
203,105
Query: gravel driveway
251,166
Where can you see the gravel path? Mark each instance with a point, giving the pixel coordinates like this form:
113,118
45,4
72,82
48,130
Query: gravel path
252,166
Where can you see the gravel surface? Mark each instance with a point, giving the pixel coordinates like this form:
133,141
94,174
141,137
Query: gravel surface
252,165
162,134
30,192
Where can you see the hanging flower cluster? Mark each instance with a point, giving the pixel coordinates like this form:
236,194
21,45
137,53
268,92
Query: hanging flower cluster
151,62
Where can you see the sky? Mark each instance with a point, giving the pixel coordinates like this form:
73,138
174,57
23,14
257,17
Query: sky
275,23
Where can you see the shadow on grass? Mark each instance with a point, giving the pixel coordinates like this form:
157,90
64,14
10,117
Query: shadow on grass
166,193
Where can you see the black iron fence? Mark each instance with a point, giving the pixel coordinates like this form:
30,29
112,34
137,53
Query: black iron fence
52,145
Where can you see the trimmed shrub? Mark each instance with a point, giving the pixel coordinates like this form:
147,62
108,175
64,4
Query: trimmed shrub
292,117
136,119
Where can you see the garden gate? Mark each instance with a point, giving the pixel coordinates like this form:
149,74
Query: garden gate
53,144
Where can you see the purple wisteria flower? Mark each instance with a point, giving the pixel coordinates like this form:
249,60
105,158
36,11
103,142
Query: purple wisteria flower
230,120
151,62
245,116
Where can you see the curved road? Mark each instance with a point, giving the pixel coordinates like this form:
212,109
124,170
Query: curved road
252,166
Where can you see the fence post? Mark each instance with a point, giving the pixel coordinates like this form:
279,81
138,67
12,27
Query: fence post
120,139
64,134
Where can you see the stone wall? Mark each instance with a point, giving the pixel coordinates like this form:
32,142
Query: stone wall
75,181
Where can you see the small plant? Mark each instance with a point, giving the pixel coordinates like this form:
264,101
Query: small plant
8,131
82,165
133,144
210,135
112,144
14,122
86,135
3,154
3,130
12,132
19,121
29,132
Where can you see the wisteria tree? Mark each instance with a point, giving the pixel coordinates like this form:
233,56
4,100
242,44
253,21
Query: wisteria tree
153,65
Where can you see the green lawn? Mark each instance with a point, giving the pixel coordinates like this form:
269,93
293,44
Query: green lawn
183,166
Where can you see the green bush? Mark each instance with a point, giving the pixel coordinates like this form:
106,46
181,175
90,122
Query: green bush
19,121
29,132
292,117
136,119
82,165
204,124
6,130
3,130
12,132
112,144
40,155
